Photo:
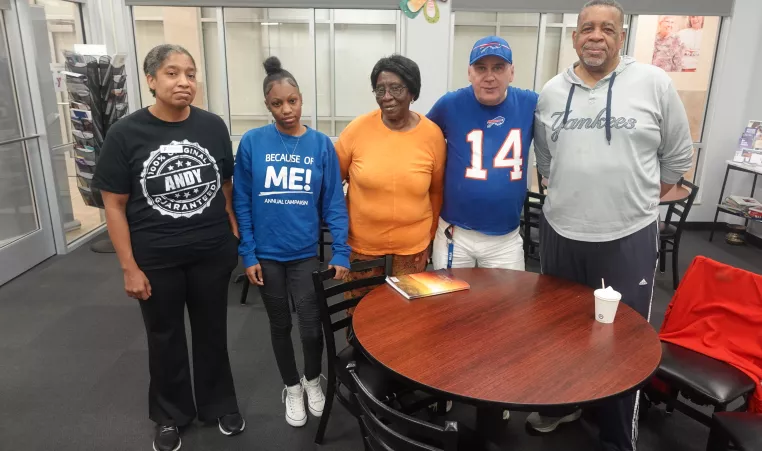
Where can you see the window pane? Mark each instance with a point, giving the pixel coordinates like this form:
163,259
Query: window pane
16,200
685,48
550,56
148,34
470,18
242,14
465,37
325,127
531,19
209,13
289,14
322,14
242,124
64,31
365,16
248,45
554,18
358,49
323,67
523,42
215,84
340,126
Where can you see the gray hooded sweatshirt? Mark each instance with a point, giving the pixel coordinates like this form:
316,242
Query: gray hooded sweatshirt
605,149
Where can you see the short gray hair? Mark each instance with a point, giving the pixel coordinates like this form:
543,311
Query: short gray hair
610,3
157,55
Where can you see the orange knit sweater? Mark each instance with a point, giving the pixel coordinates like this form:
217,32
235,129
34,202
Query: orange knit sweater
395,184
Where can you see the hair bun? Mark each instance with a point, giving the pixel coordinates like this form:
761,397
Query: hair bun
272,65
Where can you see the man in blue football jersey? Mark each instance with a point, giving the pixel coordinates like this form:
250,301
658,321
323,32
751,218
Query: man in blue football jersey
488,127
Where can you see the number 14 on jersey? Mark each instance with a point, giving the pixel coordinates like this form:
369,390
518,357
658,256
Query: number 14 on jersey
511,145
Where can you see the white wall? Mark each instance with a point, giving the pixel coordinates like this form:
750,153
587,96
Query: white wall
429,45
735,99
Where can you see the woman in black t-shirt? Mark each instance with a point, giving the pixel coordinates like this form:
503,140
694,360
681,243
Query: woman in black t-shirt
165,173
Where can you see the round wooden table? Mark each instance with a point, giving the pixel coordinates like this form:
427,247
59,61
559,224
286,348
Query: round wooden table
675,195
515,340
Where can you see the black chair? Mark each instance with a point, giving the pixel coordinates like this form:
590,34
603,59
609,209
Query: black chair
540,187
322,242
669,236
384,428
374,377
701,379
531,224
245,290
743,430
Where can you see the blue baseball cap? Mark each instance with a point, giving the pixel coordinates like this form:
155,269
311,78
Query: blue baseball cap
491,45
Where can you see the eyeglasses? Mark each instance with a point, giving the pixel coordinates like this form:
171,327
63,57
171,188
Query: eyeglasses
395,91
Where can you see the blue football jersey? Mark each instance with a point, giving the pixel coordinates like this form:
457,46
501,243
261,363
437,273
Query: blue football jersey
487,152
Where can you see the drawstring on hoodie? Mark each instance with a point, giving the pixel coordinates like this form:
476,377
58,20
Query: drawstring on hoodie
608,106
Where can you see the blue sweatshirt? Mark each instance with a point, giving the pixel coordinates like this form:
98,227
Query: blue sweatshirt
282,187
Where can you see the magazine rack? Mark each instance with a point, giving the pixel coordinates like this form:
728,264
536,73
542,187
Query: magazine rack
741,167
98,98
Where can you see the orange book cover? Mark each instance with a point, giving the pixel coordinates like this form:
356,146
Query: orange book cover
424,284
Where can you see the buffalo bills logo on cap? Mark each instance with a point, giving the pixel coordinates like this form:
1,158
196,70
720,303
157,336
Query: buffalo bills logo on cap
498,121
492,45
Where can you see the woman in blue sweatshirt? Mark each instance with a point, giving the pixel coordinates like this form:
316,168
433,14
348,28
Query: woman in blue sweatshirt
286,181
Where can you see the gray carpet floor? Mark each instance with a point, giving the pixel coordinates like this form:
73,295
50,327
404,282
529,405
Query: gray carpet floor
74,368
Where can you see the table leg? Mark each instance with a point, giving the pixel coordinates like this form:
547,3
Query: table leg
753,187
717,210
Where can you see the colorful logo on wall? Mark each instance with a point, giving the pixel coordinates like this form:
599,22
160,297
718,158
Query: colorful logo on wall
412,8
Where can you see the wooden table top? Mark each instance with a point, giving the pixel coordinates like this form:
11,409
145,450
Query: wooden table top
676,194
517,339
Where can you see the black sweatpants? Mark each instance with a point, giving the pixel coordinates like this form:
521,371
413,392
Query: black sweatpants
294,278
202,287
629,266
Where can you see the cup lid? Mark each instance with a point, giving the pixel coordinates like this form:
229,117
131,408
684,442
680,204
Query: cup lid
608,294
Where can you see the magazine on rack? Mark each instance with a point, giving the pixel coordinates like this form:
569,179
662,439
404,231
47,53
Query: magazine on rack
750,144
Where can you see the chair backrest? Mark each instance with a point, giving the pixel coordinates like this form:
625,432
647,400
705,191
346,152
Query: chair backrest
532,210
324,294
540,186
683,208
387,429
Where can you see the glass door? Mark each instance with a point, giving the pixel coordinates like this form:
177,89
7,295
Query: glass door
26,236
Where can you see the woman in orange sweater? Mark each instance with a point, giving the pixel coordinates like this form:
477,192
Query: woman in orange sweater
394,160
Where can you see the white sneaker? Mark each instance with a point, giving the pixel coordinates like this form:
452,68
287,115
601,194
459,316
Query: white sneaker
315,396
294,398
549,424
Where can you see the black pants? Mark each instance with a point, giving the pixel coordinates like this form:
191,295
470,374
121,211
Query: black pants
629,266
294,278
202,286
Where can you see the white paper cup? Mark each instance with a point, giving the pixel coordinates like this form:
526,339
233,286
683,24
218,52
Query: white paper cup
606,303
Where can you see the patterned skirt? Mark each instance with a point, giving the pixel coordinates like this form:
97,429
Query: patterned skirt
401,265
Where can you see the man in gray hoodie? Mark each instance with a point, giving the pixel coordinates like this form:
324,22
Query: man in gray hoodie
611,137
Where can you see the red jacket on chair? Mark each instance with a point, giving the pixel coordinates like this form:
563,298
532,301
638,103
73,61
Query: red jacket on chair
717,311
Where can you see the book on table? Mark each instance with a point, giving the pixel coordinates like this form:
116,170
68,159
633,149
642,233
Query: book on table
424,284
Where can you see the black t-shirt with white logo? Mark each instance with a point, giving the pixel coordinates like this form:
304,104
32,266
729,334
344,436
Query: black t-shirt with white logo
173,172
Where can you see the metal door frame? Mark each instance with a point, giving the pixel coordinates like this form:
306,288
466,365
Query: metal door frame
36,246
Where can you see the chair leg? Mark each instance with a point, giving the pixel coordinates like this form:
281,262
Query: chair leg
245,291
329,396
675,272
718,441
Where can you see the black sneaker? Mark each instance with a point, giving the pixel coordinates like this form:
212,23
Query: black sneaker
232,424
167,439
